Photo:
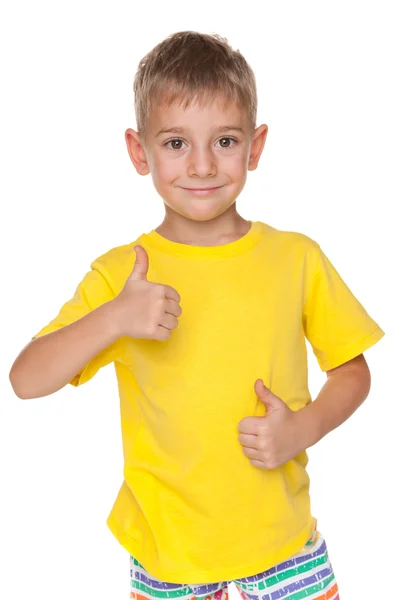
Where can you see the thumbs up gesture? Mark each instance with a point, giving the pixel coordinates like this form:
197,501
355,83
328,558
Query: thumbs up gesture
272,440
145,309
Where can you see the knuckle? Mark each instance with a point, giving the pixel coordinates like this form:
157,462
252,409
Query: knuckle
262,431
272,462
262,444
152,330
161,290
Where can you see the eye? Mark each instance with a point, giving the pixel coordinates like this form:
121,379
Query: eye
227,138
180,141
173,142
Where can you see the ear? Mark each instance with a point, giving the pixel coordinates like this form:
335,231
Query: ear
136,152
257,146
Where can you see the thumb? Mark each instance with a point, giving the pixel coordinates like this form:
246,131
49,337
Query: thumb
265,394
141,264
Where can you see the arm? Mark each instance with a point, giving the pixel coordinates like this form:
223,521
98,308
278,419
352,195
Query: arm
49,362
345,389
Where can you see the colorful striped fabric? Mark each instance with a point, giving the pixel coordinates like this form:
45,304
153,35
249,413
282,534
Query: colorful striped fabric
307,574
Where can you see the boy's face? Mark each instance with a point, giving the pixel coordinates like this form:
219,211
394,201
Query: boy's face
209,147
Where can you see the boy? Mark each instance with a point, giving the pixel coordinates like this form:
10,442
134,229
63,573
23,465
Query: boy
205,319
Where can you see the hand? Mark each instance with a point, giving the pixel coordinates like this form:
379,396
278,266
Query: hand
272,440
145,309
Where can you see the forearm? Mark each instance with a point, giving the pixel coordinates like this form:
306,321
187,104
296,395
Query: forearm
340,396
49,362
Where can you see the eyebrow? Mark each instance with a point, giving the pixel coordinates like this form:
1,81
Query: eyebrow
181,129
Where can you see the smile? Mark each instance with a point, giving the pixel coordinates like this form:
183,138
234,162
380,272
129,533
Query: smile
201,191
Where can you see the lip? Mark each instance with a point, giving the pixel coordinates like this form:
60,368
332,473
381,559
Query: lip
201,191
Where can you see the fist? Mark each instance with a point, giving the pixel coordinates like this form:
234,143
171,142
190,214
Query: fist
145,309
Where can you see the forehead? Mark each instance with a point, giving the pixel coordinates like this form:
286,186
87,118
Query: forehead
210,114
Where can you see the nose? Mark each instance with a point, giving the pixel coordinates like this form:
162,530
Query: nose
201,162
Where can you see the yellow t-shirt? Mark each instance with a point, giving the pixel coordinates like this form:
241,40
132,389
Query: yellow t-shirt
191,507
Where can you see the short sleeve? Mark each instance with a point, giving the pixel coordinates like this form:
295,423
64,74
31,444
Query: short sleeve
334,321
90,293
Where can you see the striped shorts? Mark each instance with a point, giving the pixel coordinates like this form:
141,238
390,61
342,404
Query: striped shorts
307,574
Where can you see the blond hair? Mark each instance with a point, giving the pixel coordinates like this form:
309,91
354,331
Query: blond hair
189,65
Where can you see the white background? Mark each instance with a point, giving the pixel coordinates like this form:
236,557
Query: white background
328,85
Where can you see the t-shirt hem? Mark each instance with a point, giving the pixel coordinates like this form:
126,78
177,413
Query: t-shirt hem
214,575
353,349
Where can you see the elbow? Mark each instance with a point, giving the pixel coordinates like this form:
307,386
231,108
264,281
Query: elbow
15,381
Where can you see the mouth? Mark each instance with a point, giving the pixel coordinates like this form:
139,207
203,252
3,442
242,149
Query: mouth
202,191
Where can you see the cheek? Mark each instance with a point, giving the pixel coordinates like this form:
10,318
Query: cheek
237,165
166,169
